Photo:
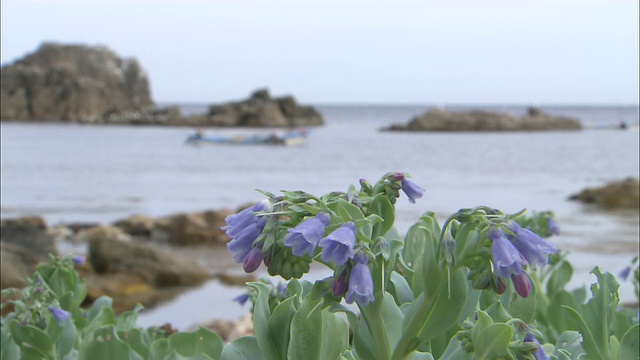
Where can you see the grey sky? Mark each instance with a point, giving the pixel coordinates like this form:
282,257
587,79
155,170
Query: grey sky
442,52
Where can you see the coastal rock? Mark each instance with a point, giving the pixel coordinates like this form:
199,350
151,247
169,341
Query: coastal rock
16,264
72,82
181,229
260,110
30,233
476,120
153,265
227,329
623,194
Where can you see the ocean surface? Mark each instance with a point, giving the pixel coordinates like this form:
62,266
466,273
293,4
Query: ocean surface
71,173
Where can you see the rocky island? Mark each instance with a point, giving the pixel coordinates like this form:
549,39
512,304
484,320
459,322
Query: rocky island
93,85
440,120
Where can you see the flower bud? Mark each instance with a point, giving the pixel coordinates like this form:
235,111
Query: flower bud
522,284
340,283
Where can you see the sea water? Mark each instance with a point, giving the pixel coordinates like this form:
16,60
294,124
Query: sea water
71,173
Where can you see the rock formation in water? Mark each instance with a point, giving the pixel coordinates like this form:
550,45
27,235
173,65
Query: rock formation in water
72,82
623,194
261,110
93,85
441,120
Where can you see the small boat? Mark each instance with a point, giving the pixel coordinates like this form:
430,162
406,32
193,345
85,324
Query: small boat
289,137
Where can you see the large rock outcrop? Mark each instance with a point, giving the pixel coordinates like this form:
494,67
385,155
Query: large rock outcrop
624,194
441,120
260,110
72,82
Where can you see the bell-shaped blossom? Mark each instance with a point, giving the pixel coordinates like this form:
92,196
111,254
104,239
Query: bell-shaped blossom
237,222
340,283
506,258
253,259
412,190
240,246
554,229
59,314
624,273
534,248
338,246
538,354
78,260
241,299
360,282
522,284
244,228
304,238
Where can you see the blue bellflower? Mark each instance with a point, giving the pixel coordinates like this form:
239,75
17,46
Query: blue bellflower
241,299
244,228
59,314
534,248
538,354
360,282
340,283
412,190
506,258
554,229
338,246
253,259
78,260
304,238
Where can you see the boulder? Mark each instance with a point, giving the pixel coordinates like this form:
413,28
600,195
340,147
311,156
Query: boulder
155,266
227,329
623,194
17,263
72,82
476,120
202,228
29,233
260,110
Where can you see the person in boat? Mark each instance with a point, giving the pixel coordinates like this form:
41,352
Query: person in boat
623,125
199,133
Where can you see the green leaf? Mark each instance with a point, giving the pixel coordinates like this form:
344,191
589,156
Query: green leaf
493,342
595,316
455,351
524,308
261,315
571,342
382,206
9,349
317,333
346,211
400,289
33,342
416,355
244,348
559,278
136,340
127,320
102,301
201,341
280,323
104,344
629,348
392,318
159,349
67,339
557,316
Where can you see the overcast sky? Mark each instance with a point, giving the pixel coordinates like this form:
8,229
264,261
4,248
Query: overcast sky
329,51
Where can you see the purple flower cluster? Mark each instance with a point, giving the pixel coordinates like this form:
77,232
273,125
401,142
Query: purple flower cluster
338,248
244,228
511,253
